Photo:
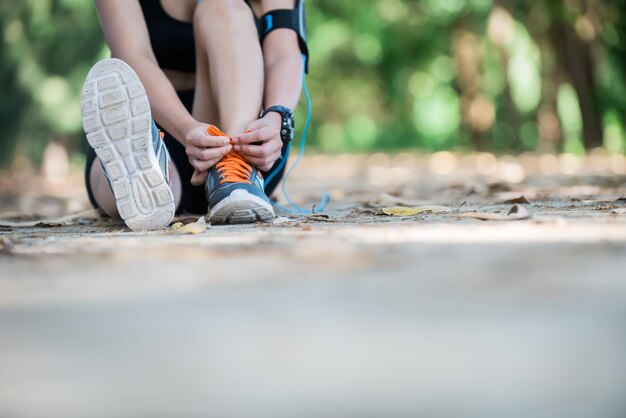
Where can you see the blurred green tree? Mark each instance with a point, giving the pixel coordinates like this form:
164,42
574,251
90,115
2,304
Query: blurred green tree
498,75
46,50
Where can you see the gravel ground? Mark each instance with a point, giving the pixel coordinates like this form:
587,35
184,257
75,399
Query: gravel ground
349,313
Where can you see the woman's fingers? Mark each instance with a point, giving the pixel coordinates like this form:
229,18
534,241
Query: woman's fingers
262,156
261,135
252,151
208,153
208,141
259,151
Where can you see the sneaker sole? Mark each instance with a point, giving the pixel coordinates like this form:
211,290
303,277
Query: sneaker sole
118,123
241,207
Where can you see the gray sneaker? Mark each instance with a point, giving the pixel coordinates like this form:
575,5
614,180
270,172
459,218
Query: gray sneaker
235,191
119,127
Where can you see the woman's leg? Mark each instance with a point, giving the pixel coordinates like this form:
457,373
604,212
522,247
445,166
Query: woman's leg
229,93
230,74
103,195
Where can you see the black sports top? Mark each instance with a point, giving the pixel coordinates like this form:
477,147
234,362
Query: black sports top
172,39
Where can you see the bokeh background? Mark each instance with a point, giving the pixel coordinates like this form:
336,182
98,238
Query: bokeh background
502,76
473,105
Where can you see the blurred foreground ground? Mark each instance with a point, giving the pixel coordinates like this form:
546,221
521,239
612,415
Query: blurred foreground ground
349,314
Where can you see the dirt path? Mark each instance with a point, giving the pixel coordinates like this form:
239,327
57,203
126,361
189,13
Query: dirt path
348,313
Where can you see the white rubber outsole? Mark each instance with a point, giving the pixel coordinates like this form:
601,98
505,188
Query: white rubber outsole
241,207
118,123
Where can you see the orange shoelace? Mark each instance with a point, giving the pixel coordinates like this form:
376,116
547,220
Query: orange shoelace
232,167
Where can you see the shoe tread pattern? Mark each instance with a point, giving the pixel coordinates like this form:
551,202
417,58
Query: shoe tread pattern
117,120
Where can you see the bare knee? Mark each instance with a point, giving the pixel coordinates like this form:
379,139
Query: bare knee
208,12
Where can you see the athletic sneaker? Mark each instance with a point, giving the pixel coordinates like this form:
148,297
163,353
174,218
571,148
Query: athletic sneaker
119,127
235,191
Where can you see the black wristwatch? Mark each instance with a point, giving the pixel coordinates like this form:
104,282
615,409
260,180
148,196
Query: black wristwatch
287,124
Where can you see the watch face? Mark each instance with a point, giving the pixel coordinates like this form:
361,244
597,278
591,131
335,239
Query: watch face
286,132
288,122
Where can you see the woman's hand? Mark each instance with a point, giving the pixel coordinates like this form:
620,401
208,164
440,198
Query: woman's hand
262,145
204,151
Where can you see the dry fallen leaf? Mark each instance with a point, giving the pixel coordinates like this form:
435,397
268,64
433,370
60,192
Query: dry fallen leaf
402,211
516,213
198,227
187,219
414,210
519,199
